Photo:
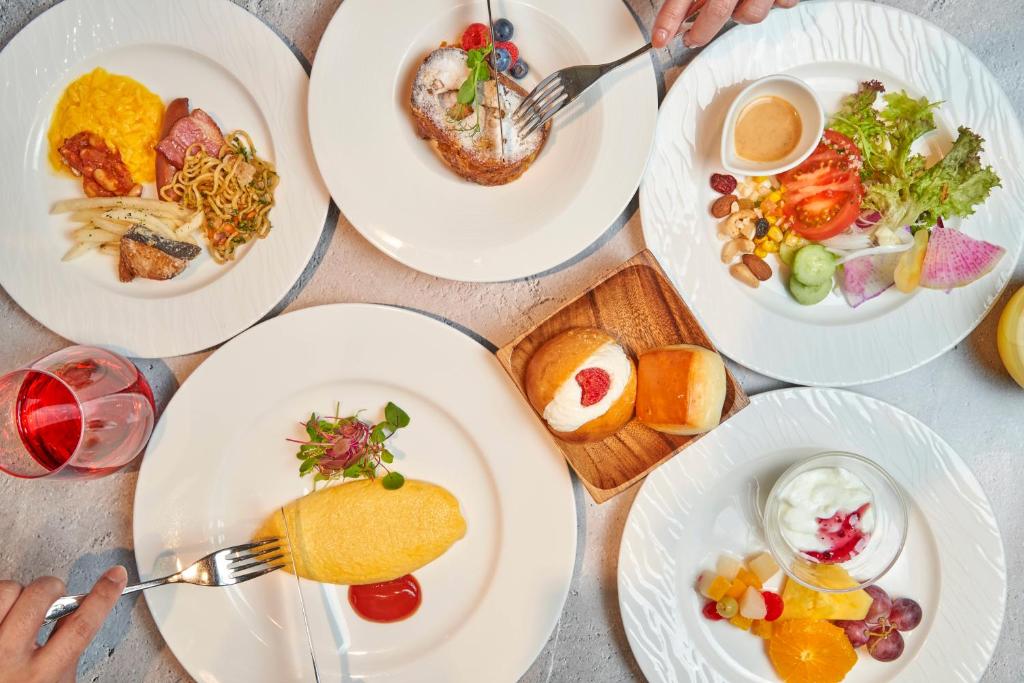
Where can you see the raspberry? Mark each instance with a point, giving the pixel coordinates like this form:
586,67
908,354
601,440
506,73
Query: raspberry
595,383
710,611
774,604
475,37
513,51
720,183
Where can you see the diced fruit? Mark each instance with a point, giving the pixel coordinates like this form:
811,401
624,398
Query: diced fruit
905,614
502,60
741,622
806,651
519,69
727,607
736,589
503,29
762,629
908,268
722,183
764,566
750,578
752,604
880,605
773,604
475,37
857,632
511,49
728,566
710,611
887,647
712,586
804,603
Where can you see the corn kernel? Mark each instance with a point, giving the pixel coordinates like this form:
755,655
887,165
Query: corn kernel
775,196
771,246
792,239
775,234
760,178
761,252
772,220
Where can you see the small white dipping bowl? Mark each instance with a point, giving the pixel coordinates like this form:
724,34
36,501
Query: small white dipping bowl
806,103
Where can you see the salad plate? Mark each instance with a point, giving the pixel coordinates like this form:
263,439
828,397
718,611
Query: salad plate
399,194
843,340
223,59
219,463
693,508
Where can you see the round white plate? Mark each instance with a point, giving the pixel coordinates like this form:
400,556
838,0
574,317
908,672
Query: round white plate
399,194
705,502
832,46
228,63
218,463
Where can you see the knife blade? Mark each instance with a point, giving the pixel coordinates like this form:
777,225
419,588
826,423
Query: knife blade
302,601
497,83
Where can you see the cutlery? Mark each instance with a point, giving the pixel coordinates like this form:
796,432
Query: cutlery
222,568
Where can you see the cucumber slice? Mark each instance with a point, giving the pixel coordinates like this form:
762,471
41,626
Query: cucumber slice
787,253
814,265
809,295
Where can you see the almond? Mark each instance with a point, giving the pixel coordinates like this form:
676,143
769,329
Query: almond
723,206
761,270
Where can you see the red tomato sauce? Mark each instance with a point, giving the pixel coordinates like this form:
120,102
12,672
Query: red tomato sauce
388,601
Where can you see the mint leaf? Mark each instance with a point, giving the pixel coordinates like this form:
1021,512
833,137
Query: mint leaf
393,481
396,415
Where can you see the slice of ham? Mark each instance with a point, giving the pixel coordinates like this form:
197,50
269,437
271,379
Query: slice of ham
196,128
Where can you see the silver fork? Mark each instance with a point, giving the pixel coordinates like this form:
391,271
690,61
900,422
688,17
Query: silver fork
559,89
222,568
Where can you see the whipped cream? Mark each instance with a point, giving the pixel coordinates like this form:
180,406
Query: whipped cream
566,412
817,495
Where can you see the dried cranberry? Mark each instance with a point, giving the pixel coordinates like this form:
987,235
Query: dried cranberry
722,183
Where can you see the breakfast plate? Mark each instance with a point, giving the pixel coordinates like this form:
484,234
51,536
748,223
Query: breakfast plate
227,62
219,463
708,502
833,342
403,198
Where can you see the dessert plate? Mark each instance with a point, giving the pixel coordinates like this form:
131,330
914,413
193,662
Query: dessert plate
829,344
218,463
226,61
705,503
396,191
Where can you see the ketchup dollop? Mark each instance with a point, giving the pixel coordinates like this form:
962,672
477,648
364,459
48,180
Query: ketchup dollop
386,602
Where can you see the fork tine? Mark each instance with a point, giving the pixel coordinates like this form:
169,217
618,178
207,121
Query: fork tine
544,119
256,555
250,546
538,110
263,561
536,92
253,575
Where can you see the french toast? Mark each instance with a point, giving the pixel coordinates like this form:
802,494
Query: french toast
469,141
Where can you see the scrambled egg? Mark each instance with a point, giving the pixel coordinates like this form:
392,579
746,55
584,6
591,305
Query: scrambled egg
360,532
119,109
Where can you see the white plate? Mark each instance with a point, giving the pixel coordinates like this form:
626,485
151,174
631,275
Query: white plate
402,198
832,46
218,463
704,503
228,63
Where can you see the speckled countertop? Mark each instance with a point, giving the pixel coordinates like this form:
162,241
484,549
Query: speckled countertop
74,529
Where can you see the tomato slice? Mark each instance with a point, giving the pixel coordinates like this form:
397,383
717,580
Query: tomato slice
823,193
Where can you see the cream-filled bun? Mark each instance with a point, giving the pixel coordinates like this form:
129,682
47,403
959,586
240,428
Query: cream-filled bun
681,389
583,384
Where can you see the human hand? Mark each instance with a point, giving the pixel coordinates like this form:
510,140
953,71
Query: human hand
711,18
21,615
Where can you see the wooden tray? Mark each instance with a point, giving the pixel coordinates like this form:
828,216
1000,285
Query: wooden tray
638,305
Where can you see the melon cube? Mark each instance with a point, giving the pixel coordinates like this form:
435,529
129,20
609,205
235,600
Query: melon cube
712,586
736,589
740,621
752,604
764,566
728,566
762,629
750,578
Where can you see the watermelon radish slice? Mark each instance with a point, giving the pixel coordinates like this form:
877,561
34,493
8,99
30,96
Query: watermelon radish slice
953,259
866,277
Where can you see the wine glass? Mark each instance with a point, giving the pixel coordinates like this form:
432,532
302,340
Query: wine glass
82,411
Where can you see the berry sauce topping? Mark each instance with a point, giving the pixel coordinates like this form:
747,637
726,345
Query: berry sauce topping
843,534
595,383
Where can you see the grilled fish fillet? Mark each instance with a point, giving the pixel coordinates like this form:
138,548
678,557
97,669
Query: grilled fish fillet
146,254
469,141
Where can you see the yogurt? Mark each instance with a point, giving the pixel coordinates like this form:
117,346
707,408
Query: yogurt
826,514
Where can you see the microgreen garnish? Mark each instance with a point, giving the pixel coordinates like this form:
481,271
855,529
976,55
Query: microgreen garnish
350,447
469,95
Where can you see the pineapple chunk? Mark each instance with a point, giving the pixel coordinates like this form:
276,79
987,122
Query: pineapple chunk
764,566
712,586
728,566
750,578
752,604
762,629
740,621
804,603
736,589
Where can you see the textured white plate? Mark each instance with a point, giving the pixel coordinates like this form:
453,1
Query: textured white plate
218,463
395,190
705,502
832,46
228,63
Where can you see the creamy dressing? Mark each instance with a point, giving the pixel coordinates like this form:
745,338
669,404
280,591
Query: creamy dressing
566,412
767,129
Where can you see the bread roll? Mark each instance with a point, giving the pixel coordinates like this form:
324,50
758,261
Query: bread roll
680,389
583,384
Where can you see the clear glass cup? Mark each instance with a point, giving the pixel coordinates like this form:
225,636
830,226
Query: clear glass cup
883,548
80,412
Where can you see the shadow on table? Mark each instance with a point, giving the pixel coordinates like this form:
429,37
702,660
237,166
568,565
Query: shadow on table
982,342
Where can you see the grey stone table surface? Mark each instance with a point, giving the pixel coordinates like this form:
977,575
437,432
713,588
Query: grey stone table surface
75,529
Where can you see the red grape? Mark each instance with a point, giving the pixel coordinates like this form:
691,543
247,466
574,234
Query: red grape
886,648
905,614
856,631
710,611
880,607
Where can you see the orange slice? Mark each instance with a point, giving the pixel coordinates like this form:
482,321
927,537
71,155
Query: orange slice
806,651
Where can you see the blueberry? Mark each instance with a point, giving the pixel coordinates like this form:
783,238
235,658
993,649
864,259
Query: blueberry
520,69
503,30
501,59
